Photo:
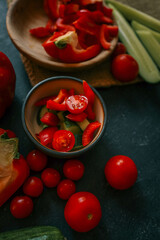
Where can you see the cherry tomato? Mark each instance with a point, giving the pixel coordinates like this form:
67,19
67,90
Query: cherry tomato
36,160
63,140
119,49
73,169
76,103
21,206
66,188
83,211
33,186
46,136
50,177
50,119
121,172
124,68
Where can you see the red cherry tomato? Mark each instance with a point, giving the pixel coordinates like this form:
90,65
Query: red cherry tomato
76,104
66,188
50,119
124,68
121,172
83,211
36,160
50,177
21,206
63,140
119,49
73,169
33,187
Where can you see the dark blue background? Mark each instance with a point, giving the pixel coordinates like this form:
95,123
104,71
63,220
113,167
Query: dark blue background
133,129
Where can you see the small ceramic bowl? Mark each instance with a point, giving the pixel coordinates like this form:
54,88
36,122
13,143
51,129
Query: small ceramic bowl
51,86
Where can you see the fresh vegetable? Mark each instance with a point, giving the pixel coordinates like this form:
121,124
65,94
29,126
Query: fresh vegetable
39,233
119,49
147,68
121,172
134,14
73,169
33,187
151,44
124,68
63,141
83,211
7,83
76,104
36,160
50,177
13,167
21,206
137,26
66,188
46,136
50,119
89,132
40,32
77,117
91,96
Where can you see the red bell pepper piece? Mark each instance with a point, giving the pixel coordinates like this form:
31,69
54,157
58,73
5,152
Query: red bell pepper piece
90,113
40,32
77,117
89,132
71,8
61,26
56,106
51,26
88,92
105,37
53,6
107,11
50,119
46,136
7,83
63,93
44,100
113,30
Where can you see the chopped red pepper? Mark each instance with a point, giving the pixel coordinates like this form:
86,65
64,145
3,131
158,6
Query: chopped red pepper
88,133
113,30
77,117
88,92
61,26
63,93
105,37
90,113
53,6
44,100
56,106
40,32
51,26
50,119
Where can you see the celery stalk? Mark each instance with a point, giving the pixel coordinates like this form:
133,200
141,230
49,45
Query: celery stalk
151,44
137,26
147,68
133,14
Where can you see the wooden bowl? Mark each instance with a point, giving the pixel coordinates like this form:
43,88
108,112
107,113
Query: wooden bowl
26,14
51,86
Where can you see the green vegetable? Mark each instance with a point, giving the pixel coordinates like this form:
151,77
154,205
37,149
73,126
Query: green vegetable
33,233
147,68
134,14
71,126
151,44
137,26
83,124
78,142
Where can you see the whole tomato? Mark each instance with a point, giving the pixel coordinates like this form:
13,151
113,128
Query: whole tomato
21,206
124,68
83,211
7,83
121,172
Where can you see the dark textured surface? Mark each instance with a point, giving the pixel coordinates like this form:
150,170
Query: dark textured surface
133,129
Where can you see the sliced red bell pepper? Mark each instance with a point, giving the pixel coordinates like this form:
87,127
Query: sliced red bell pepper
71,8
90,113
77,117
44,100
50,119
89,132
63,93
53,6
46,136
61,26
40,32
13,172
105,37
107,11
88,92
51,26
56,106
113,30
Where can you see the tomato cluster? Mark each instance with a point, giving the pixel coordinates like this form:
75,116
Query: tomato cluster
77,108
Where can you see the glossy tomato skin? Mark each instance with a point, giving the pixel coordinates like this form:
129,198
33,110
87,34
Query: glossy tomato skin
121,172
63,141
66,188
36,160
73,169
83,211
50,177
124,68
21,206
76,104
33,186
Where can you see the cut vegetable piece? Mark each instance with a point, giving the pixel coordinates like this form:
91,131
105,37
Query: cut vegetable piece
78,142
83,124
133,14
71,126
147,68
137,26
151,44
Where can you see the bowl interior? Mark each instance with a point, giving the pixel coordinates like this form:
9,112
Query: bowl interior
30,14
51,87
